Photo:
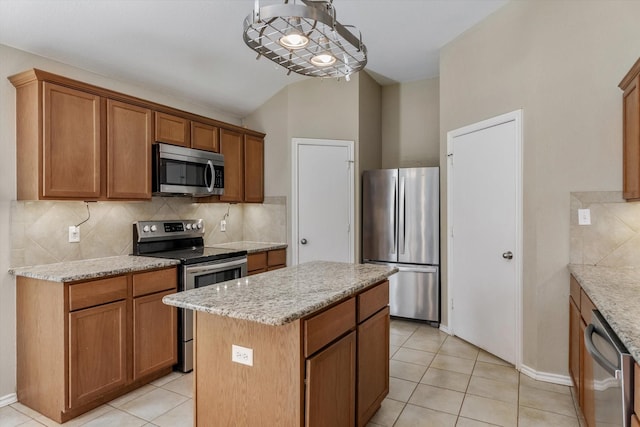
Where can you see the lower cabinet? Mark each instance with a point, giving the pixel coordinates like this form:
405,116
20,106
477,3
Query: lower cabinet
97,350
81,344
259,262
331,385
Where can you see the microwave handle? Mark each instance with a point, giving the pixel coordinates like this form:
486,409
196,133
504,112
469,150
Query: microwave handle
209,171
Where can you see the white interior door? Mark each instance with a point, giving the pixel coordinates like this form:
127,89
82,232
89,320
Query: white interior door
485,255
323,201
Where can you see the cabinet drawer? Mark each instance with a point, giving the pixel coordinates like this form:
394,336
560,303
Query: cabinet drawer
257,261
96,292
325,327
276,257
154,281
369,302
586,307
574,291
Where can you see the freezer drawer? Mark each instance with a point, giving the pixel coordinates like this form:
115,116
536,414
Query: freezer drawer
414,292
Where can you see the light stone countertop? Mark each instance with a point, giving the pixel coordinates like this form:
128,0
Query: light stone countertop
282,296
72,271
250,247
616,294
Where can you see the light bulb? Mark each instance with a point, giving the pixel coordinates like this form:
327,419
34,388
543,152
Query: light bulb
293,37
323,57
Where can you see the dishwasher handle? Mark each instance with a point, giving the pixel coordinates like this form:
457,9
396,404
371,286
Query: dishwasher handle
593,351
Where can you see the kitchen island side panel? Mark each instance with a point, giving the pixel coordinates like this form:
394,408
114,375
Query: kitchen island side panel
268,393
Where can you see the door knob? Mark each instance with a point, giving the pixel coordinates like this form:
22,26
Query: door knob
303,241
507,255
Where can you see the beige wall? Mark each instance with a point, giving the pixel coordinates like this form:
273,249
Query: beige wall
560,62
13,61
319,109
411,124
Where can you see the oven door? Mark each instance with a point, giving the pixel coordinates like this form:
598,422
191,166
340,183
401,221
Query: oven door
198,276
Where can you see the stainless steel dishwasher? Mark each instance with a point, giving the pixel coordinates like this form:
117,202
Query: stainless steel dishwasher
612,374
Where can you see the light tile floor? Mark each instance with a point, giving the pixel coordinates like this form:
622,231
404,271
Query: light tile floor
435,380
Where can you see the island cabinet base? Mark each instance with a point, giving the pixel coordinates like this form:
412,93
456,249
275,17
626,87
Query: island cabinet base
329,368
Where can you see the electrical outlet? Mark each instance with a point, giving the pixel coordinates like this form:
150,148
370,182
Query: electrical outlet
223,225
584,216
242,355
74,234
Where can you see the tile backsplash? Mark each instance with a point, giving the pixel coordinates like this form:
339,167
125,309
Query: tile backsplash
613,238
40,229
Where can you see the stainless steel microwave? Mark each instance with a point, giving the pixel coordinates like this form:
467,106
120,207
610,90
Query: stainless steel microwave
186,171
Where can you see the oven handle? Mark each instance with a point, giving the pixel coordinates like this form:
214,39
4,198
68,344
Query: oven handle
215,267
593,351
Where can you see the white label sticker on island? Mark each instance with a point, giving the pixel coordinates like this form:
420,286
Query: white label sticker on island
242,355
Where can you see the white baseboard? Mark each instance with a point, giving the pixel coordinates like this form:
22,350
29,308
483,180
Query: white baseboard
445,329
546,376
8,399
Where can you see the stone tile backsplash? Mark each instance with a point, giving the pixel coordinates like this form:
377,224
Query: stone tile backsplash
40,229
613,238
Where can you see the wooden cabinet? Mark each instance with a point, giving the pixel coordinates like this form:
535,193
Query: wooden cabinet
204,137
97,352
101,339
232,147
330,385
259,262
630,85
580,362
129,139
71,144
76,141
330,368
253,169
173,129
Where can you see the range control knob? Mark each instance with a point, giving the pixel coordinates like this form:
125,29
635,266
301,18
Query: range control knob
188,226
199,225
154,228
145,229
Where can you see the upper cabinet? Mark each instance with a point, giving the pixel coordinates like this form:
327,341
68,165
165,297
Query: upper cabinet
173,130
631,133
76,141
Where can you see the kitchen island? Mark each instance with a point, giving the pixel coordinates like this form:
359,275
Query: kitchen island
306,345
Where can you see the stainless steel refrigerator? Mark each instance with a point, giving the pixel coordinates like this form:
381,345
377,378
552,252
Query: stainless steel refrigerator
401,227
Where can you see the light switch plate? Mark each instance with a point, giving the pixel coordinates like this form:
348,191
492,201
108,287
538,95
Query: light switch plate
584,216
223,225
242,355
74,234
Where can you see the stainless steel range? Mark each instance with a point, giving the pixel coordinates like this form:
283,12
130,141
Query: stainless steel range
200,266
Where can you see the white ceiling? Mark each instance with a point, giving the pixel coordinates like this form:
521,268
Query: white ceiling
194,48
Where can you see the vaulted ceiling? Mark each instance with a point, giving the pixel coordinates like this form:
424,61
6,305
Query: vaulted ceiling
194,48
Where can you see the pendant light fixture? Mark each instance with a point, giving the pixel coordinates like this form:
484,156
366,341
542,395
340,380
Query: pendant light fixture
305,38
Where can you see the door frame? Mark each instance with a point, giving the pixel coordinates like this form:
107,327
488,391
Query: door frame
517,117
295,144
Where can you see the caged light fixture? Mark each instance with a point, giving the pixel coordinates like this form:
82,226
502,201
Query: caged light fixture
305,38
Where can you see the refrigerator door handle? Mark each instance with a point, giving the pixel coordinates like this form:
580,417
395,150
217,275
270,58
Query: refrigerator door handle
395,214
402,214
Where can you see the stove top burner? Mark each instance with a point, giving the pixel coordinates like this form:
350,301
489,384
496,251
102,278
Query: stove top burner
197,255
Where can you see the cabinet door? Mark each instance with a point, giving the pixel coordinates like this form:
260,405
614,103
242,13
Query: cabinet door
574,345
373,364
97,352
330,389
256,263
173,130
155,340
129,139
71,143
204,137
631,140
232,147
253,169
587,396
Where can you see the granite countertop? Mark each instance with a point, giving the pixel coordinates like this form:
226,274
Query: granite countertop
616,294
72,271
250,247
282,296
